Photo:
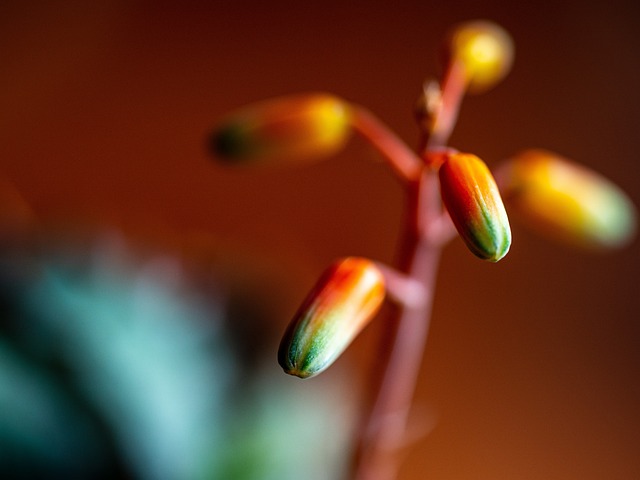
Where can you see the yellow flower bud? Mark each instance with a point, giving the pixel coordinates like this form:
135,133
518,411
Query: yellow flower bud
566,201
345,299
473,201
484,52
297,127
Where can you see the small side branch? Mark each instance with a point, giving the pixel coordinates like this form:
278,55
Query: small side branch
404,162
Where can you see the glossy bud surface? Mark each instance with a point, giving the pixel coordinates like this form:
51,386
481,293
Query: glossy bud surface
473,201
345,299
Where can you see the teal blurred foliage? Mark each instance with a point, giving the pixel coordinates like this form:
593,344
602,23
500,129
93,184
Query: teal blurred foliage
120,364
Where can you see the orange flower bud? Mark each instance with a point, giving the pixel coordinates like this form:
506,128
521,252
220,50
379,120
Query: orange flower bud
295,127
473,201
567,201
342,303
484,52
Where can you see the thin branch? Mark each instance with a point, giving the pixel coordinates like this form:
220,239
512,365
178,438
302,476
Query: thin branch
446,114
404,162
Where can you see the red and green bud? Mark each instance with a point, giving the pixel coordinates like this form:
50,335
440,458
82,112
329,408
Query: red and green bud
473,201
345,299
566,201
482,50
291,128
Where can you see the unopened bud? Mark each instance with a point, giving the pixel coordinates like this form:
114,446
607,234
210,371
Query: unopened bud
567,201
296,127
473,201
345,299
483,50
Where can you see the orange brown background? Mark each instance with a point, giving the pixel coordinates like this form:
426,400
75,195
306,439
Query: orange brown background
533,364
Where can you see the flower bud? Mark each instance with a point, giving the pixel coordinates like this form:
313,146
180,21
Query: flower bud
473,201
295,127
342,303
484,52
566,201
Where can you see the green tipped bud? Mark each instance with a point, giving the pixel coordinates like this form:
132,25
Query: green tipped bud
566,201
473,201
289,128
345,299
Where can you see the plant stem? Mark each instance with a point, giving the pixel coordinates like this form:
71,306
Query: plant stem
401,158
451,94
383,431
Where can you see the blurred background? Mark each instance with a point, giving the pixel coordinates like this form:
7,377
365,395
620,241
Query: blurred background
532,365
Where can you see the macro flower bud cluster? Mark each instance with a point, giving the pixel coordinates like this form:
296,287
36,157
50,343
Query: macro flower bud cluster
543,190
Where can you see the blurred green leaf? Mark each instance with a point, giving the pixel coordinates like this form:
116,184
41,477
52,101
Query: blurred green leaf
127,361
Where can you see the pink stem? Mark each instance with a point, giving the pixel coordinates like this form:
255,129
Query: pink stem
384,426
451,94
383,432
404,162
